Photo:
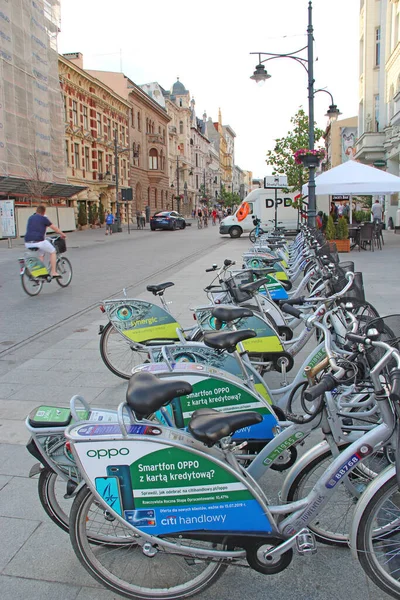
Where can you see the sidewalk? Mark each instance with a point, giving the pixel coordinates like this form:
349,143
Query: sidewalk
36,559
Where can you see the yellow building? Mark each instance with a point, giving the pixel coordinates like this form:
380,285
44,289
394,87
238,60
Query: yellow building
340,141
93,115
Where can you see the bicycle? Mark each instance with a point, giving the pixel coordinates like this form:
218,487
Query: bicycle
205,221
193,502
34,272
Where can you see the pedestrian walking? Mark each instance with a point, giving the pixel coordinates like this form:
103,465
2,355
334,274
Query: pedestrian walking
143,219
138,221
109,222
376,210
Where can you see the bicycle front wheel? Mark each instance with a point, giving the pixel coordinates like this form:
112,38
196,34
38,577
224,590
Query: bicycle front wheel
332,526
378,538
123,568
51,490
64,268
118,354
30,285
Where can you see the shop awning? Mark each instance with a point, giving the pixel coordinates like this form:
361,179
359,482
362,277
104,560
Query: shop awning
23,187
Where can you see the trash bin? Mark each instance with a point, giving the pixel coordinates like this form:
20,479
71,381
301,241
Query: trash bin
114,228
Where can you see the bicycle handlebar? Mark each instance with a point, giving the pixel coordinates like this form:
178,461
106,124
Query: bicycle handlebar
327,384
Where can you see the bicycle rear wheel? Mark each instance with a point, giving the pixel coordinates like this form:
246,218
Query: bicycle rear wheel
120,564
118,354
64,268
51,490
30,285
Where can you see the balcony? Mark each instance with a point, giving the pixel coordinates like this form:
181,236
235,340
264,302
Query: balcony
155,176
370,147
172,130
105,176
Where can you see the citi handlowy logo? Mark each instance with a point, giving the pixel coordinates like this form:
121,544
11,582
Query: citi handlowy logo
194,520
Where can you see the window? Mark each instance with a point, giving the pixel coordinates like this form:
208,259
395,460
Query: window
98,124
65,108
124,169
109,128
361,56
377,46
85,118
376,111
180,126
197,160
75,112
100,163
197,182
87,158
153,159
139,126
67,152
76,156
133,118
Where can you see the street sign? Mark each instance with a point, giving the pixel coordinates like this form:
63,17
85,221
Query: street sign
275,182
127,194
379,163
7,219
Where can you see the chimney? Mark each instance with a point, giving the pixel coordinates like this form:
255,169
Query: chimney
76,58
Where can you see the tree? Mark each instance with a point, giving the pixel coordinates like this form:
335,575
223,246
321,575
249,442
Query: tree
330,230
229,199
281,157
342,229
102,216
82,215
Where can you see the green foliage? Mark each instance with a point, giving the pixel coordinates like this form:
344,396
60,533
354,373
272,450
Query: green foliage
82,215
365,201
342,229
102,215
324,221
360,216
330,230
95,215
281,157
90,214
229,199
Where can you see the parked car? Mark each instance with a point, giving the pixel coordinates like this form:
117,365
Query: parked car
167,220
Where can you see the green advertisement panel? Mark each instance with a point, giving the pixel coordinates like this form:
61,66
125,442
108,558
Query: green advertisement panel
141,321
36,267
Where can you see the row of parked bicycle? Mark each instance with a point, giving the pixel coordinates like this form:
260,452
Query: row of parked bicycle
163,494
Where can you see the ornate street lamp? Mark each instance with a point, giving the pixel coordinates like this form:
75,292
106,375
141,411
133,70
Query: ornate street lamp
260,75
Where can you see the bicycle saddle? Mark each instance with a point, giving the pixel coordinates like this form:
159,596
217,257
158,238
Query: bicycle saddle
147,394
159,288
253,286
227,340
231,313
209,426
262,271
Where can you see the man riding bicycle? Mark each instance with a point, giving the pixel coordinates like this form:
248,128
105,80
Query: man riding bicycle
35,237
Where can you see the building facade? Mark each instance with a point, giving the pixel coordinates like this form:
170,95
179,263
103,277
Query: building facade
96,118
340,141
379,109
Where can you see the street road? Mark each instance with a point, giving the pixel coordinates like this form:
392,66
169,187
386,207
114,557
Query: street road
102,267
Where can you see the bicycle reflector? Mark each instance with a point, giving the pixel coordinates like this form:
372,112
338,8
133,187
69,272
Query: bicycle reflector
103,310
194,316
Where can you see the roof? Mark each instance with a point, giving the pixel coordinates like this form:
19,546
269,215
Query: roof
15,185
178,89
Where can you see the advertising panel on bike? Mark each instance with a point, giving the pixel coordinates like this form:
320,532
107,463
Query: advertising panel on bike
140,321
162,489
212,389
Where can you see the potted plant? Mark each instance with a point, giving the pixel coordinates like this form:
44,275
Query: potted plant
342,236
82,216
309,158
330,229
102,216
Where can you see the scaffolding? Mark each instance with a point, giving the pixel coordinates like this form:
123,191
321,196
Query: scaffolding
31,118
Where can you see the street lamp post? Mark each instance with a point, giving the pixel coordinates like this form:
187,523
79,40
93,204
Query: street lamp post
260,74
118,215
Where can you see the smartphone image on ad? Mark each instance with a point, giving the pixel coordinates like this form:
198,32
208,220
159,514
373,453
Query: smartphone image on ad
125,484
108,488
141,518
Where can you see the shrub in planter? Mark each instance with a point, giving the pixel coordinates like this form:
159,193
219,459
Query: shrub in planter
102,216
82,215
342,236
330,229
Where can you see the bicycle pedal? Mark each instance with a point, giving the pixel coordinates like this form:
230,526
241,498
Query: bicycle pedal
305,543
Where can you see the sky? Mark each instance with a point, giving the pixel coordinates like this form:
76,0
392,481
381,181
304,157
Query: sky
208,45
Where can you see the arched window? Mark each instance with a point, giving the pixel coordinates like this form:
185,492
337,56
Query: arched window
153,159
180,102
147,125
180,126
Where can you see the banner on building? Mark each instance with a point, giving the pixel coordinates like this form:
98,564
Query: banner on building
348,136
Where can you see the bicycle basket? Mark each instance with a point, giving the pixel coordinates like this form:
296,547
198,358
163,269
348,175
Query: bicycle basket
357,289
237,279
329,249
389,332
60,245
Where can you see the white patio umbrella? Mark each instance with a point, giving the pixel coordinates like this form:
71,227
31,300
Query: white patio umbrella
355,178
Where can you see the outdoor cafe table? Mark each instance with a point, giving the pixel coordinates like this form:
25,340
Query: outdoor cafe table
354,234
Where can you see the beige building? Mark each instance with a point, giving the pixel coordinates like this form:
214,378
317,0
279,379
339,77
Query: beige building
340,141
93,114
379,110
147,146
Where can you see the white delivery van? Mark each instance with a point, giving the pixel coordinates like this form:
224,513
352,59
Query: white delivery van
262,205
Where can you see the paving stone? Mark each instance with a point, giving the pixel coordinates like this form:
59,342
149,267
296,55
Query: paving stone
15,532
100,594
13,432
70,353
4,479
15,460
80,366
19,498
103,378
8,389
57,395
42,364
20,375
16,410
48,555
17,588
